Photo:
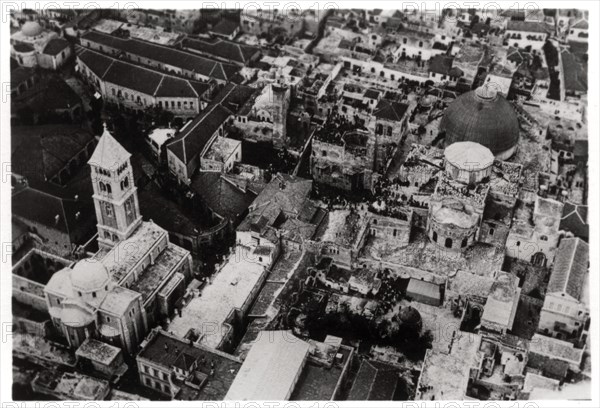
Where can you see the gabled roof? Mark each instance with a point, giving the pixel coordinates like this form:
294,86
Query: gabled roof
225,27
574,219
109,153
222,195
219,47
141,79
196,134
570,268
54,211
390,110
166,55
55,46
49,147
235,97
375,381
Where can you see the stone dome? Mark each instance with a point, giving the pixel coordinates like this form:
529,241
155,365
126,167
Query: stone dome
485,117
410,316
89,276
31,29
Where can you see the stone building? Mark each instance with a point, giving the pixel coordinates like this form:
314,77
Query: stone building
265,116
183,371
457,205
391,123
343,235
35,46
345,161
133,280
135,88
535,233
474,198
565,314
163,58
501,304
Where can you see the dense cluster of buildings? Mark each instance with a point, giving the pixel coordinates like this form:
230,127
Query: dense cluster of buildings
198,194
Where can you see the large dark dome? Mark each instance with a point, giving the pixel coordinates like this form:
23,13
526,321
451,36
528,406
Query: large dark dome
484,117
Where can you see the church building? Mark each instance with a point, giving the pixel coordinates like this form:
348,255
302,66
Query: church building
135,278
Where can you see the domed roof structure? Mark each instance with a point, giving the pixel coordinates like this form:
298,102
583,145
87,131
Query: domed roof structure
485,117
89,276
469,156
31,29
410,316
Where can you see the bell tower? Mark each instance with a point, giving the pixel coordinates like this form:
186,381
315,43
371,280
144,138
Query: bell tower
115,195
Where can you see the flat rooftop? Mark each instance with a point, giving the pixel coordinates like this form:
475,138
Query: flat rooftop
447,373
98,351
153,276
480,259
126,254
230,288
222,148
318,382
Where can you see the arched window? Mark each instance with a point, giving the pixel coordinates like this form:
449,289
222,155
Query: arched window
448,243
491,231
434,236
108,189
389,131
464,242
102,186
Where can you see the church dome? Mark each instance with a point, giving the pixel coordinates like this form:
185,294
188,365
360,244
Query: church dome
89,276
31,29
485,117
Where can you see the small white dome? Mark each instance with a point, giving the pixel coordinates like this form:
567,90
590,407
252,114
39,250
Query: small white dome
89,275
31,29
469,156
